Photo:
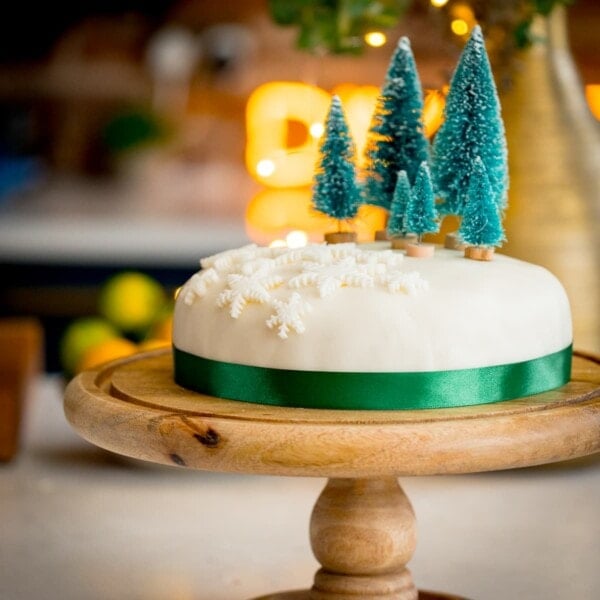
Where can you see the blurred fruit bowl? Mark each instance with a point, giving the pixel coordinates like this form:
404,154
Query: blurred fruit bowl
135,314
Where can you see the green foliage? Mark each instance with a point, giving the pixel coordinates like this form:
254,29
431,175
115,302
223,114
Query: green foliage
473,127
395,140
421,216
131,129
395,224
481,223
335,192
336,26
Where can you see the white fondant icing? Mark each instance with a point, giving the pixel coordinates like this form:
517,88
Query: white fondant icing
445,312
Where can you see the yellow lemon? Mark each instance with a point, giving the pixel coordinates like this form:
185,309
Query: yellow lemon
81,335
131,300
105,351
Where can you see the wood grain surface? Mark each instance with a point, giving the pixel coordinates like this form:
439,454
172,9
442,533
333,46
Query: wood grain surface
133,407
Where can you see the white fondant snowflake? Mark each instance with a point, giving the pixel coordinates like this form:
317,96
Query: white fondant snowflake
343,250
385,257
225,261
329,278
265,265
288,315
198,285
408,282
242,289
312,252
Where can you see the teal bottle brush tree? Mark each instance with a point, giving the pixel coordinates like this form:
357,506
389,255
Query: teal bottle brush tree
395,140
396,229
335,191
421,215
472,128
481,226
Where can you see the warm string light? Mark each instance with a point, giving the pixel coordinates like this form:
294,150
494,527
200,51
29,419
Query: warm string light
265,167
296,239
459,27
375,39
316,130
439,3
462,19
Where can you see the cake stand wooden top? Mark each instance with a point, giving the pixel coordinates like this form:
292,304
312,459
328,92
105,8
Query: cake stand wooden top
133,407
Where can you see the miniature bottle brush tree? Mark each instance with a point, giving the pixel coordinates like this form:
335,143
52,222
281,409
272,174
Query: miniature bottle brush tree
421,216
472,128
481,226
335,191
395,139
396,229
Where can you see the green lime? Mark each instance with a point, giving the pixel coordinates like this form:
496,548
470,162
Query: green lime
131,301
81,335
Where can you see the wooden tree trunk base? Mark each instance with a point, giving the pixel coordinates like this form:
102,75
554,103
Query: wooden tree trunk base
479,253
401,242
340,237
452,242
381,236
420,250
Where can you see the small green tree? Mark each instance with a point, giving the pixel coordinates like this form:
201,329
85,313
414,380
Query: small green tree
472,127
395,224
421,215
481,222
335,191
395,140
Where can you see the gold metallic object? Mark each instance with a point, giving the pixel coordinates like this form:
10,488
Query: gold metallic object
554,160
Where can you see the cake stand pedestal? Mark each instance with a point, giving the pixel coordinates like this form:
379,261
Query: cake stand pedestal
362,528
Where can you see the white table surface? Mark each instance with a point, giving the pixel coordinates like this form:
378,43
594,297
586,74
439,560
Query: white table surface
77,523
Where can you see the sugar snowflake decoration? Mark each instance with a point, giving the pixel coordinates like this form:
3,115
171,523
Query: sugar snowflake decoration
408,282
383,257
198,285
231,260
328,278
250,274
242,289
288,315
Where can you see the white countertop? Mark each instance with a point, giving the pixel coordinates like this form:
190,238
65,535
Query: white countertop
77,523
76,221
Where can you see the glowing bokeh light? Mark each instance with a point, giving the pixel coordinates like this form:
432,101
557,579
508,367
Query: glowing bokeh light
316,130
376,39
459,27
265,167
277,244
296,239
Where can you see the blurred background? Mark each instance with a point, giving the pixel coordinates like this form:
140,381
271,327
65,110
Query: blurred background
137,137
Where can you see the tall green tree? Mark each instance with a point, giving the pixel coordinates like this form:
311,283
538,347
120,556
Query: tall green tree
481,222
335,191
395,224
395,140
472,127
421,215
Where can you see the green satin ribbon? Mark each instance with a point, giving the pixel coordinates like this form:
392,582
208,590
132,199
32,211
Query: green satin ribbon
372,391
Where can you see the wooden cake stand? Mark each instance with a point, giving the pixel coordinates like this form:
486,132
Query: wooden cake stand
362,528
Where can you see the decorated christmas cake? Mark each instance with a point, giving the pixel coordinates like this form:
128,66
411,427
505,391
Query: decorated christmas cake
349,326
390,325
